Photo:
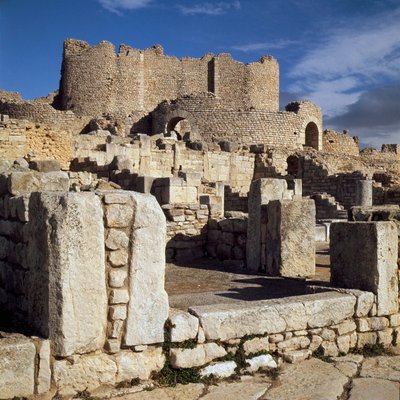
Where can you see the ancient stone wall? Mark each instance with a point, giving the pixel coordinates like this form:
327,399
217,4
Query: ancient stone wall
226,240
342,143
212,121
44,113
9,96
19,138
95,80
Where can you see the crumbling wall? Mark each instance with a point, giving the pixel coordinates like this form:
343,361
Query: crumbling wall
43,113
341,143
19,138
95,80
212,120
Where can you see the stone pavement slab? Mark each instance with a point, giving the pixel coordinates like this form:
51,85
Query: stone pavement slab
382,368
374,389
237,390
309,380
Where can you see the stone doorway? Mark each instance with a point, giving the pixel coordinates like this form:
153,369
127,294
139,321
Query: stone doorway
312,135
181,127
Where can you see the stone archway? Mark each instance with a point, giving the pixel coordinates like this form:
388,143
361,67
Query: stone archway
181,126
312,135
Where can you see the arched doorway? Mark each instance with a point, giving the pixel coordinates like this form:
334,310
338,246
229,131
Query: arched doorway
312,135
181,127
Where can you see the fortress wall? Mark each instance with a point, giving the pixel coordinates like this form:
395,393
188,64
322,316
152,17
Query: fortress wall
9,96
95,80
263,84
88,81
231,81
43,113
211,121
342,143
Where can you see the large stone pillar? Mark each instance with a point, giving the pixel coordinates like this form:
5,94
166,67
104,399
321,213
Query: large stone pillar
148,301
66,283
290,238
364,256
262,191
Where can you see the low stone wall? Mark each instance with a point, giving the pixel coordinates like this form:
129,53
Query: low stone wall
43,113
226,240
186,230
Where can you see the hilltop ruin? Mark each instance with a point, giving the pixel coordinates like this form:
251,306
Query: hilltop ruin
141,159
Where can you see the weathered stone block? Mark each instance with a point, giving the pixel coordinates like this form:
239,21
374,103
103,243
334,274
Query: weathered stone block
45,165
44,370
220,370
17,367
116,239
255,345
148,304
118,216
262,191
139,365
20,183
184,325
262,361
66,288
85,373
364,256
290,238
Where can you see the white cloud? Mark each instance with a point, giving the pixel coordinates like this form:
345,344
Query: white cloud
116,6
262,46
335,72
207,8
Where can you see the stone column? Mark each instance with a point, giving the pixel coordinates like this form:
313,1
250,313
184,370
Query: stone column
66,284
364,256
262,191
364,193
290,238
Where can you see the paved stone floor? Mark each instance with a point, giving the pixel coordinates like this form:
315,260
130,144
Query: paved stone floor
204,282
351,377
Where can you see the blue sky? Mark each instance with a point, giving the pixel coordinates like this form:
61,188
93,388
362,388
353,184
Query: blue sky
342,54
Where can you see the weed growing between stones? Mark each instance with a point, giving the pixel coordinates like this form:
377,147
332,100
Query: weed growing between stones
169,376
128,384
85,395
395,337
187,344
272,373
373,350
319,353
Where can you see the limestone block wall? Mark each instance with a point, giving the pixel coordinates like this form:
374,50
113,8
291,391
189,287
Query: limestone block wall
382,195
18,137
342,186
44,113
342,143
95,80
163,158
15,265
212,121
9,96
186,230
226,240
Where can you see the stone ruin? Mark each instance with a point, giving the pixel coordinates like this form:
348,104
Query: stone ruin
151,161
